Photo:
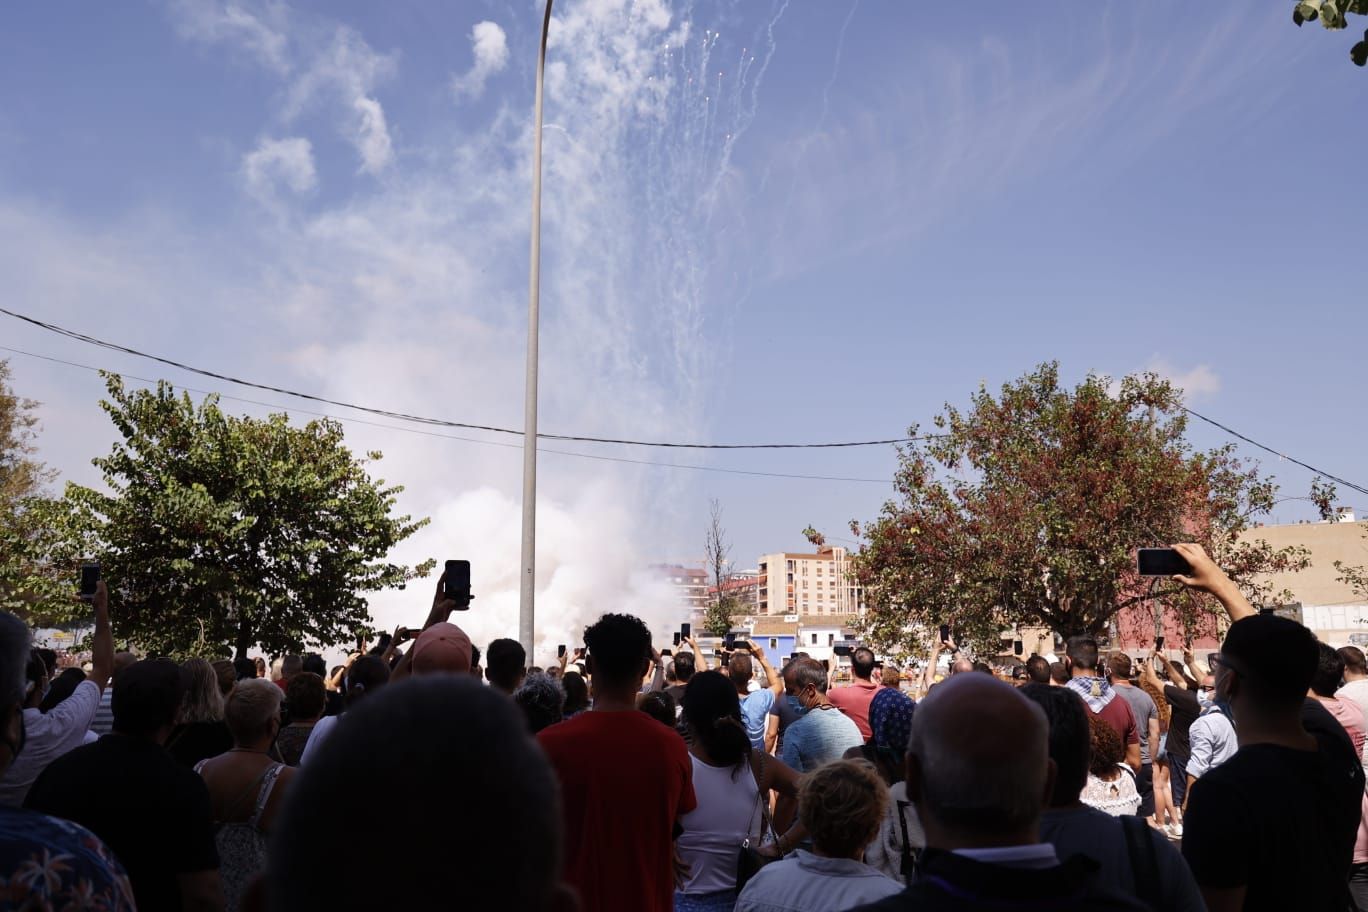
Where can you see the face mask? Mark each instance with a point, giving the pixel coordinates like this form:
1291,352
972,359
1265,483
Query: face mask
1204,697
796,705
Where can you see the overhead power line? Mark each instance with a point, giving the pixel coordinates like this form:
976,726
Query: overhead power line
440,422
1267,449
410,430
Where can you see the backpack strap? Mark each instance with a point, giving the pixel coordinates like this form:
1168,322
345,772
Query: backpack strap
908,864
1144,861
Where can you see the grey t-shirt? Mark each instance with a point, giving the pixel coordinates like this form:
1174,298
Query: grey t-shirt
1099,836
1143,708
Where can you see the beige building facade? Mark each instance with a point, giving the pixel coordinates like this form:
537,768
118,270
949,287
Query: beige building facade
808,584
1334,611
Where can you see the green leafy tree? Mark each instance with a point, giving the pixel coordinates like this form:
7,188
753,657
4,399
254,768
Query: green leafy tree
1028,509
37,556
219,533
1333,14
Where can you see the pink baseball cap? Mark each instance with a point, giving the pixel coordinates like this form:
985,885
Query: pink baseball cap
442,647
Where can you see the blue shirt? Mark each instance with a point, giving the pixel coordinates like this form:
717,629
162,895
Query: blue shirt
755,713
819,737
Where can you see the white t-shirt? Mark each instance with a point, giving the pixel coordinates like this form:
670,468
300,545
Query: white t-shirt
322,728
48,735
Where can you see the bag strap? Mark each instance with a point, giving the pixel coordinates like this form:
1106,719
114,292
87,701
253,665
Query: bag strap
766,825
1144,861
907,866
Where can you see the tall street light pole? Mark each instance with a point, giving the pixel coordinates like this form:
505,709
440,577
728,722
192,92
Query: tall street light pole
528,589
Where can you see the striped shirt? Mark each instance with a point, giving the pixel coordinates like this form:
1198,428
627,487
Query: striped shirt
104,714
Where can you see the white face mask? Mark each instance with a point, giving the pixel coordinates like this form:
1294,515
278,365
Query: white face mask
1204,696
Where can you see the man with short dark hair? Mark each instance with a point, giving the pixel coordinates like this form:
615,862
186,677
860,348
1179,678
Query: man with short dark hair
979,774
1134,857
1038,669
1274,826
822,732
153,812
505,665
1059,674
1100,697
1146,723
853,698
625,779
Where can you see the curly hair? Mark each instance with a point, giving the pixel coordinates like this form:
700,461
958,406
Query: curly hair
1160,702
541,699
842,805
659,705
1106,748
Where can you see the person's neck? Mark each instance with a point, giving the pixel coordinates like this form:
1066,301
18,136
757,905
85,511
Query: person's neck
1279,731
259,746
1350,676
1322,698
1081,673
949,841
856,680
615,699
857,855
1121,682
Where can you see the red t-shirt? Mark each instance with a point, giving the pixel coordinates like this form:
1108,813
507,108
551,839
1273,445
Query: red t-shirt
625,780
1119,716
854,700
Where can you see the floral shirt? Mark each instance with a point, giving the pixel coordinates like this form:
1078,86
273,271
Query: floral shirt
49,863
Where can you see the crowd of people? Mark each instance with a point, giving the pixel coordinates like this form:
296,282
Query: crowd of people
626,778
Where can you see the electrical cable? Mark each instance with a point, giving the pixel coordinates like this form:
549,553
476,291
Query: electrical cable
401,416
409,430
1267,449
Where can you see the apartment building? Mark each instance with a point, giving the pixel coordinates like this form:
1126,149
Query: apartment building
808,584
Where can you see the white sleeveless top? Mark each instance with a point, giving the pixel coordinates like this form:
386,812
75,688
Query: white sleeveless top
727,814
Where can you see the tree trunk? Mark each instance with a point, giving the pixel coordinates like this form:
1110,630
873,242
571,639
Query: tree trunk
244,638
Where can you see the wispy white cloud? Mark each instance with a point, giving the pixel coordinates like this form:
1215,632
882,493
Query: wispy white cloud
1198,382
279,161
345,72
260,30
490,47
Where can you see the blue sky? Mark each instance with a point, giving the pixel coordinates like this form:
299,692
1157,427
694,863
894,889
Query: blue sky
764,222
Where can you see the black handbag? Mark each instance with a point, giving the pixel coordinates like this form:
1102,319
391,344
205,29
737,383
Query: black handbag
749,861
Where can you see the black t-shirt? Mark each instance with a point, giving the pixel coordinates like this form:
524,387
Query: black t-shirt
151,811
1186,709
1280,822
195,741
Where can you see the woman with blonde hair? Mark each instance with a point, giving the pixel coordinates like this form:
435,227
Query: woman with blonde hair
246,786
200,732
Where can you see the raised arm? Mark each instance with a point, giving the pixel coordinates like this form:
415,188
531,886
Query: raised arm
657,682
773,681
102,649
700,660
441,610
929,673
1209,578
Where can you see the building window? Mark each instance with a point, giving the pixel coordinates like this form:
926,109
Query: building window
790,566
831,639
814,639
774,643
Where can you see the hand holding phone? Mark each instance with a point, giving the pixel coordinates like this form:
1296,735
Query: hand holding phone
90,578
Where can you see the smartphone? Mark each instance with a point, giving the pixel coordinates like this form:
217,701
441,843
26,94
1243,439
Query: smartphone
560,651
676,638
1159,641
841,649
741,644
457,584
664,653
945,633
90,576
1161,562
729,641
685,630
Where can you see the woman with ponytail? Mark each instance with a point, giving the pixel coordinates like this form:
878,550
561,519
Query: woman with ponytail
732,783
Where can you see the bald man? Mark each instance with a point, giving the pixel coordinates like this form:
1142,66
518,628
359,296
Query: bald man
980,774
